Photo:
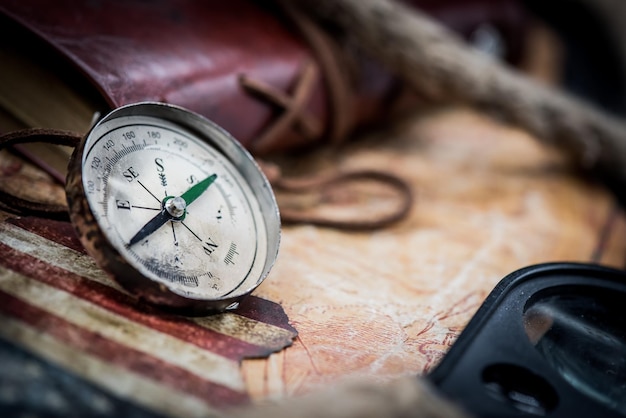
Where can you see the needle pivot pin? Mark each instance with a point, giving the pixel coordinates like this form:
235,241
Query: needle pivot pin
176,206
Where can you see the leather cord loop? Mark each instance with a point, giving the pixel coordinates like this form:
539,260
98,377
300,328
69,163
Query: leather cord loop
322,191
48,136
21,206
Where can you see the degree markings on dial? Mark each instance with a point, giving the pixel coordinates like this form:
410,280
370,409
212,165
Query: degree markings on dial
232,251
106,171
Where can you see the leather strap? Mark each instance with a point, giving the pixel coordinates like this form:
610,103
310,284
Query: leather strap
334,65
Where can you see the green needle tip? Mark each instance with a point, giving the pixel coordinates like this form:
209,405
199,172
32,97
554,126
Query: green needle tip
197,189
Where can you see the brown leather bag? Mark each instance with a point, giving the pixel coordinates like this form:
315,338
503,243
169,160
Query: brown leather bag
264,72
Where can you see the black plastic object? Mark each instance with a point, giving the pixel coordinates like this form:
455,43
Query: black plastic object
549,341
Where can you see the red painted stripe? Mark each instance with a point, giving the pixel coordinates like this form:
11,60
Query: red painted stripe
58,231
123,305
120,355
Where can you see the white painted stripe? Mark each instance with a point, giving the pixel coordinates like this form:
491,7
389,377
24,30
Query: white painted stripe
84,314
54,254
117,380
246,329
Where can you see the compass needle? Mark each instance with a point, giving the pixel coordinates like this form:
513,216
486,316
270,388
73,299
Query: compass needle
197,264
173,209
152,225
197,189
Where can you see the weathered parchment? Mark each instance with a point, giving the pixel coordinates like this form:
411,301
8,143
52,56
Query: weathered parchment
381,305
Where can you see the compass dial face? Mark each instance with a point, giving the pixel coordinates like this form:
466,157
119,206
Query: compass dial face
175,207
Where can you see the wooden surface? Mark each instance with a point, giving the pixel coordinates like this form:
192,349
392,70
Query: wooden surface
372,306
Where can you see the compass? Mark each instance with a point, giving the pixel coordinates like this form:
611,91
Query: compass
173,208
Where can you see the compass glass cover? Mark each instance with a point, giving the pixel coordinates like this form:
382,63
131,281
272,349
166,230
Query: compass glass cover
175,207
